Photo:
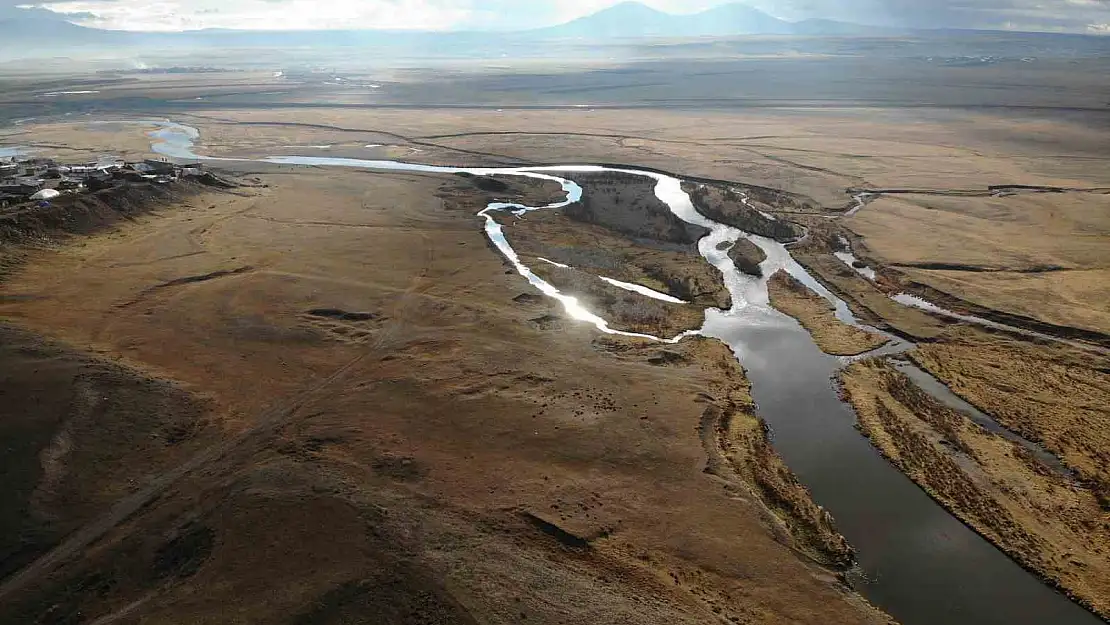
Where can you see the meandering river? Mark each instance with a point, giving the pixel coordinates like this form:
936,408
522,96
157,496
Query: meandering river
915,560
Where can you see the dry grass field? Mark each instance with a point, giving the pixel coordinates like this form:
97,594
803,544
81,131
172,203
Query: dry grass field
1043,256
816,314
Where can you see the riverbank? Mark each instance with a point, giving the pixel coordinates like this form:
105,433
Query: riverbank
818,317
1049,522
738,445
619,239
1046,393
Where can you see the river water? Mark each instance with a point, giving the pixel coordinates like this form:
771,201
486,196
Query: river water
915,560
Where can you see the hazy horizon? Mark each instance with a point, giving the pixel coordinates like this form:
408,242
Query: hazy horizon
1075,16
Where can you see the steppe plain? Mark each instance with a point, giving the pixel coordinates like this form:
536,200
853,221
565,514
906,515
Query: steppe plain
322,394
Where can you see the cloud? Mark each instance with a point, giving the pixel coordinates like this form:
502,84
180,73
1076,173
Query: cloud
1065,15
13,9
266,14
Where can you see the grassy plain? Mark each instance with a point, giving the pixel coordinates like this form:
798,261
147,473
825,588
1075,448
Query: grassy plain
394,423
1038,255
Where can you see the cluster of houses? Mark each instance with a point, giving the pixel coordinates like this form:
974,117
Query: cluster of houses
28,179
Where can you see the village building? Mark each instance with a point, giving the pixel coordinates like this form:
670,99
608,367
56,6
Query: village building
42,179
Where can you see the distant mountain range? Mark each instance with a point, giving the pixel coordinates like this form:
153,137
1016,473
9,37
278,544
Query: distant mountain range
634,19
27,33
42,29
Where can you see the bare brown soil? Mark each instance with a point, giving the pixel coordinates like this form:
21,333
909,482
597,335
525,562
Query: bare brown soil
82,432
398,436
1046,521
28,226
817,316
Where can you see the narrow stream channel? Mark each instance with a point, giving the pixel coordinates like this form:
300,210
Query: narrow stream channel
846,256
942,393
915,560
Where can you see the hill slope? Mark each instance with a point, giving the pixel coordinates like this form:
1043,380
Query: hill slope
634,19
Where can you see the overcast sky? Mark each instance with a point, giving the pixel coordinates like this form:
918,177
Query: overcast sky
1069,15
